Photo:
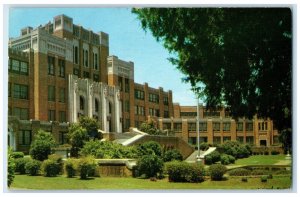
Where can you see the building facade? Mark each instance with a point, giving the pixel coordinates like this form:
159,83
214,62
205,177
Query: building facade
61,71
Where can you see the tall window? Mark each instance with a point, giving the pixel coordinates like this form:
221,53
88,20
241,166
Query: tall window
63,137
239,126
216,126
177,126
249,126
96,105
76,55
95,61
19,67
86,58
51,115
127,106
51,93
24,137
51,65
62,116
166,100
62,95
202,126
61,67
136,110
126,85
20,91
9,89
120,83
76,72
151,111
153,98
21,113
141,110
166,114
263,126
81,103
139,94
191,126
226,126
96,77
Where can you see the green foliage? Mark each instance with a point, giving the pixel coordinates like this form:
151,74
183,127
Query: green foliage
91,126
171,155
20,165
239,172
259,172
58,159
149,127
50,168
217,171
41,146
264,178
244,179
10,168
236,149
17,155
107,150
77,137
33,167
204,146
150,165
185,172
86,167
237,56
70,167
227,159
149,148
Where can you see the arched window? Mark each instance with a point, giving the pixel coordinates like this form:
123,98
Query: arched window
96,105
81,103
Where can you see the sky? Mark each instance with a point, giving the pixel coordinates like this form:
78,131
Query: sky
127,40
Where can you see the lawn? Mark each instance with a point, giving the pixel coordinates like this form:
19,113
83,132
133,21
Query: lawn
261,160
113,183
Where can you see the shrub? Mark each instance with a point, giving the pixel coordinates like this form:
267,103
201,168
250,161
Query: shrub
10,168
20,165
270,176
17,155
204,146
264,178
215,156
259,172
70,167
33,167
236,149
184,172
217,171
244,179
208,160
239,172
50,168
274,152
171,155
86,167
58,159
150,165
149,148
41,146
227,159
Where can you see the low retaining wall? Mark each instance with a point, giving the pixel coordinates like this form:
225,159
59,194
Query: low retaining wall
115,167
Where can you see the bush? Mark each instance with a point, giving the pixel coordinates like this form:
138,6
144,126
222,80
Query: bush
244,179
239,172
215,156
58,159
227,159
217,171
236,149
204,146
41,146
10,168
50,168
70,167
208,160
274,152
259,172
150,165
149,148
17,155
184,172
264,178
33,167
20,165
171,155
86,167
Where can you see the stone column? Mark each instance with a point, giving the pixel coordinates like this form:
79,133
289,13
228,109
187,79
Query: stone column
103,103
90,100
117,111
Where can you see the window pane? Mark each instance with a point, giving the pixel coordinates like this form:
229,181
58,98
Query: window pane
24,68
15,65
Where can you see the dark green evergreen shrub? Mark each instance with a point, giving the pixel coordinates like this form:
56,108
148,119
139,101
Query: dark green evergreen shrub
239,172
274,152
227,159
185,172
20,165
171,155
17,155
50,168
33,167
204,146
150,165
217,171
86,167
208,160
58,159
215,155
264,178
70,167
149,148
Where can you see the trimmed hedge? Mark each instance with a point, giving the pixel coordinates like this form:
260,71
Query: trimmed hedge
70,167
217,171
17,155
20,165
239,172
171,155
86,167
50,168
150,166
185,172
33,167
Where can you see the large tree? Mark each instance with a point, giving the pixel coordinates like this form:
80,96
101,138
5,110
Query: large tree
237,57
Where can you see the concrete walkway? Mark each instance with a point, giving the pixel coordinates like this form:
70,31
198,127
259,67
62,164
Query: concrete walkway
192,158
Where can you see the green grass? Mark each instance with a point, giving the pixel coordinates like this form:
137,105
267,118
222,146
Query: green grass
261,160
113,183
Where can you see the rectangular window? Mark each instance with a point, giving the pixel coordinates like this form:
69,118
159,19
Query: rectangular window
202,126
189,114
191,126
126,85
96,77
24,68
20,91
15,65
177,126
249,126
21,113
217,140
226,138
249,140
166,100
61,67
216,126
63,137
127,123
62,95
127,106
240,139
166,114
136,124
24,137
166,126
239,126
62,116
139,94
96,61
203,139
120,83
9,89
76,54
211,113
151,111
51,65
136,110
192,140
156,112
86,58
226,126
51,115
153,98
141,110
51,93
263,126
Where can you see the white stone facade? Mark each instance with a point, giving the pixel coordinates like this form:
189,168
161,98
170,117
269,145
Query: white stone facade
95,99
